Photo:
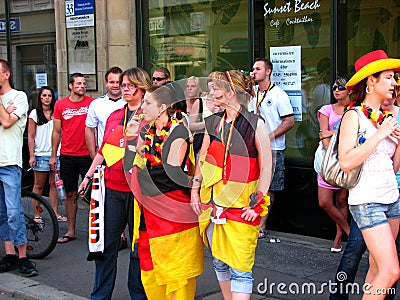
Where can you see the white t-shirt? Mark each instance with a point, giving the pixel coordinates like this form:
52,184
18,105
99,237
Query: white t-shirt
12,138
275,105
43,136
99,111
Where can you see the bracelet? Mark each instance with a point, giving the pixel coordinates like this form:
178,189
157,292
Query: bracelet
327,137
88,177
196,179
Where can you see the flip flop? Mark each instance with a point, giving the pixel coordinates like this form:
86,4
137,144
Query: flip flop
61,218
65,239
38,220
263,234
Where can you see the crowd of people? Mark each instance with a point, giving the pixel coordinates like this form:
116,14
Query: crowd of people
184,168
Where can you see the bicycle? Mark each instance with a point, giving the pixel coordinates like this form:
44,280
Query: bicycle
41,236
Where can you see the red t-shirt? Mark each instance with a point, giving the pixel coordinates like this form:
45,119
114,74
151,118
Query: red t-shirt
73,117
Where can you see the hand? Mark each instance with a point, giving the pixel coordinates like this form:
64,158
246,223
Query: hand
324,134
249,214
11,108
32,162
82,186
133,126
53,163
388,127
195,203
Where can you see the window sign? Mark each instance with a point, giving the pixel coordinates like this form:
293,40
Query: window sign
81,40
41,80
286,74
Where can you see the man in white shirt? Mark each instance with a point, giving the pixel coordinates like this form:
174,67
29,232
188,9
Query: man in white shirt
273,104
101,108
13,115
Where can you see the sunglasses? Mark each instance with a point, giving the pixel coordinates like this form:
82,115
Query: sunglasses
338,87
159,78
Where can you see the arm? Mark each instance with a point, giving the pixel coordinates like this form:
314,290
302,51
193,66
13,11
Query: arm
177,152
265,164
396,159
7,119
286,125
324,132
194,125
90,138
350,156
195,190
55,142
97,160
31,142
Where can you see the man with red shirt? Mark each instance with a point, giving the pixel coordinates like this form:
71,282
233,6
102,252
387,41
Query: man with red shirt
69,119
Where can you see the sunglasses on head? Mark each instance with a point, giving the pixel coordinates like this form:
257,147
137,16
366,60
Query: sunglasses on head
159,78
338,87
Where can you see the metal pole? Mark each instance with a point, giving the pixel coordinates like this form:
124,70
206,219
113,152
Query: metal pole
8,30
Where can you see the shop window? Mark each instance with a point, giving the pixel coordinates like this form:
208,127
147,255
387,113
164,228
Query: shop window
305,24
363,35
197,37
18,6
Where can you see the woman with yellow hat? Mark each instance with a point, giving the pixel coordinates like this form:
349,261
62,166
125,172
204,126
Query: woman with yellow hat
373,202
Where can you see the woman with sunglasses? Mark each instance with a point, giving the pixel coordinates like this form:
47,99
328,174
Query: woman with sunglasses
329,117
118,150
231,182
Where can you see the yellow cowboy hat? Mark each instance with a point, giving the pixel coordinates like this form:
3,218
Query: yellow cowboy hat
371,63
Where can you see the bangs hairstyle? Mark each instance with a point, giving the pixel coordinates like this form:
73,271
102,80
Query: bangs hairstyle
138,77
236,81
166,95
341,80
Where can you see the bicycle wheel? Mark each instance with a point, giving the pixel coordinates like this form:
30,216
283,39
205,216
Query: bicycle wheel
42,236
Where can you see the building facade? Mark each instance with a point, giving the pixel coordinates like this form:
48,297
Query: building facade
310,42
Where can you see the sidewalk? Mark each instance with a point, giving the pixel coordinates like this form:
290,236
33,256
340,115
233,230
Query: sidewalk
297,261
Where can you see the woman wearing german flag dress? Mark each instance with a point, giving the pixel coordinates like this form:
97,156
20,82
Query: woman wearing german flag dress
170,247
233,177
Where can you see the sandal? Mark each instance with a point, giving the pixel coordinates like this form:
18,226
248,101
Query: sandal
61,218
38,220
263,234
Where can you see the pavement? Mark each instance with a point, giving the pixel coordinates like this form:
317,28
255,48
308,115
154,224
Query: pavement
291,269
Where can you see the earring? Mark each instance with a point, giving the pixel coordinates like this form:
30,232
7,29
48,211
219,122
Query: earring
367,90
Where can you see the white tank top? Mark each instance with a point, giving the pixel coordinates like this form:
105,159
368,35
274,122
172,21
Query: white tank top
378,181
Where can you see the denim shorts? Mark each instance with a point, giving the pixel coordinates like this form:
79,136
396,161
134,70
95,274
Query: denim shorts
278,178
42,163
241,282
373,214
12,221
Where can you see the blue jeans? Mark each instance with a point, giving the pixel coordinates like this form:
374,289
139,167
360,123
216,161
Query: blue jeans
241,282
12,221
351,258
118,211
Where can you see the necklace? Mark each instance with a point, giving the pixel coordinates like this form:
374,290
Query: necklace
227,145
377,116
259,101
156,158
126,119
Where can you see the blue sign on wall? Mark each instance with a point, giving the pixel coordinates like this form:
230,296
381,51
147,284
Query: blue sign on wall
15,25
79,7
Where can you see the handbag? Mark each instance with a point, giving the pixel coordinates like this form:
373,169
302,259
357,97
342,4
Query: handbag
319,157
330,169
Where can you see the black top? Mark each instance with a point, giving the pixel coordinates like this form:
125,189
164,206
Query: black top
165,178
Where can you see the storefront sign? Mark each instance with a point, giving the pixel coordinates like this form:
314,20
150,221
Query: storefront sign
41,80
15,25
157,24
287,74
298,7
81,39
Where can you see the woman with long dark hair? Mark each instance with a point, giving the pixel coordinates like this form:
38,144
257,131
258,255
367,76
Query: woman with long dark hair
40,128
